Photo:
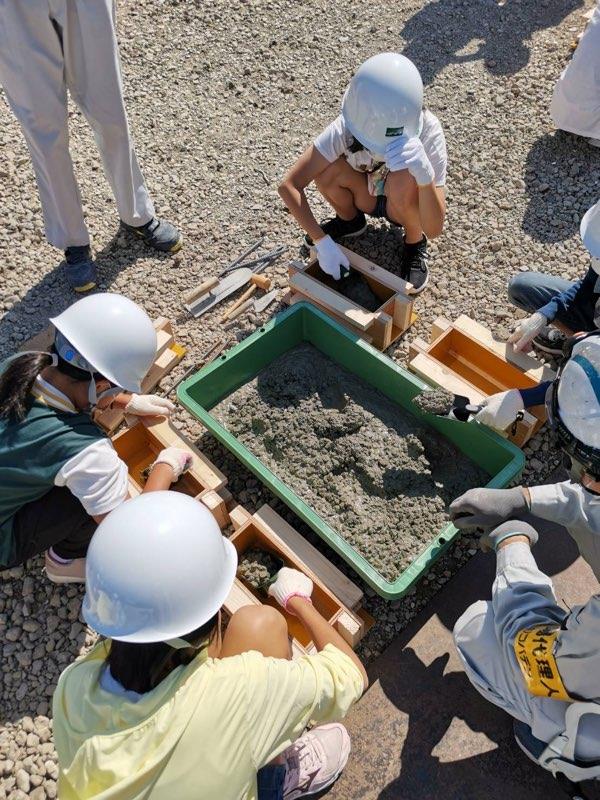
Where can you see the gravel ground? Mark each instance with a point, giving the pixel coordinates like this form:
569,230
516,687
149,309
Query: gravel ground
222,96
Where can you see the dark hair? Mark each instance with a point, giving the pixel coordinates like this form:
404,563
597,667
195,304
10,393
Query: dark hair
16,383
141,667
18,378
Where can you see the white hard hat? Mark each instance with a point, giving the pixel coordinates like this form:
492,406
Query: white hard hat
384,99
113,334
578,392
157,568
590,230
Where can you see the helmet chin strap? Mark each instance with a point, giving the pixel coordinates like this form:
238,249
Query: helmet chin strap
94,397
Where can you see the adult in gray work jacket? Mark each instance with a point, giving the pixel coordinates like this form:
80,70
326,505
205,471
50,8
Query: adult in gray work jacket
559,308
538,662
573,402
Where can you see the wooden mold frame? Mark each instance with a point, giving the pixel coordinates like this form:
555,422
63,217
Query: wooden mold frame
334,594
382,327
138,447
464,358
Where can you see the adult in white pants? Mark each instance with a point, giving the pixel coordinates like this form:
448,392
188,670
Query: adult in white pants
538,662
576,101
46,48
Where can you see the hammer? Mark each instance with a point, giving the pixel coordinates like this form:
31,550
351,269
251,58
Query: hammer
257,281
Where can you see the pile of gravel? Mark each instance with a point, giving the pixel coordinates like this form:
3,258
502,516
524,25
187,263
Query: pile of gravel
222,97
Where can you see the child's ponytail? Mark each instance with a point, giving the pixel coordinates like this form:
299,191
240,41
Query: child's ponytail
16,383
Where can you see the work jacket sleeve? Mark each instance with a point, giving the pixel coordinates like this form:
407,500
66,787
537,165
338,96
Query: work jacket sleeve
571,297
536,395
528,620
578,651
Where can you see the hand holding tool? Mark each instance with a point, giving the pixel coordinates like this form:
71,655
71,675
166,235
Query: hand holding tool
331,259
500,410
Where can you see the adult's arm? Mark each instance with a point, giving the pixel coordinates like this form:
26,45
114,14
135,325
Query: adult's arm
572,296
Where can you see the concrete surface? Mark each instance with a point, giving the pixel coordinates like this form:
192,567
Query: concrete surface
421,730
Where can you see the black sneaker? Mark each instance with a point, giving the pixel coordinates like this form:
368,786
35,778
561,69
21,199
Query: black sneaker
81,270
158,234
413,264
339,228
550,341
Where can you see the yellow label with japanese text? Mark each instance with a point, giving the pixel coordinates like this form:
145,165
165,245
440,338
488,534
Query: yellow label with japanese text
534,648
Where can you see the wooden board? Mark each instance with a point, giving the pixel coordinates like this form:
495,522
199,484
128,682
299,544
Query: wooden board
372,270
526,363
291,298
331,300
316,563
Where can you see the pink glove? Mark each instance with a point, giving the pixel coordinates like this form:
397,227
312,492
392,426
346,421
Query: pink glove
290,583
179,460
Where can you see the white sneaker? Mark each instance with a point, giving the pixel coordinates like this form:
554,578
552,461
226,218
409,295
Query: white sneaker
315,760
71,572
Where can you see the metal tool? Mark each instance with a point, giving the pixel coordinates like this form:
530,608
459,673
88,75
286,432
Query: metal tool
238,261
262,303
258,282
198,301
462,408
213,351
269,257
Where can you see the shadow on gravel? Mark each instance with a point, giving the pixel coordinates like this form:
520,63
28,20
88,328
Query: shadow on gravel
562,174
52,294
498,34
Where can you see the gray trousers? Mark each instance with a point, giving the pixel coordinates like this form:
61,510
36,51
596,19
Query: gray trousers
46,48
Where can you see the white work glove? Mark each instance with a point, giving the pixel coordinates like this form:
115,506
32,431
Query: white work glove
179,460
331,258
526,331
149,405
501,410
290,583
402,153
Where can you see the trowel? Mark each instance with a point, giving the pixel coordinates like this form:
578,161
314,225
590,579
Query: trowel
462,409
448,405
213,291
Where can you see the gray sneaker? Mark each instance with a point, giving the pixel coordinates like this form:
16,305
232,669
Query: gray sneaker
159,234
550,340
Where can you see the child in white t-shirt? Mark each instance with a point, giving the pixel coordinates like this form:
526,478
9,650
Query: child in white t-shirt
384,156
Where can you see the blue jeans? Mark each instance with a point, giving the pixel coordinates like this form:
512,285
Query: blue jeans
270,782
532,290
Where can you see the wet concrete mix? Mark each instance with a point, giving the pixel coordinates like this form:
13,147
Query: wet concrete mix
377,476
257,567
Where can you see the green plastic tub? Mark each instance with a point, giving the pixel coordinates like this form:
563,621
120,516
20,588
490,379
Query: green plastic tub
502,460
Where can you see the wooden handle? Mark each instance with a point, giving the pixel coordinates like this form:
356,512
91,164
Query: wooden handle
202,288
241,308
246,296
262,282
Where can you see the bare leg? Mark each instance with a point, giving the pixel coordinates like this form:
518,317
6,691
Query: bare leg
345,189
403,204
256,628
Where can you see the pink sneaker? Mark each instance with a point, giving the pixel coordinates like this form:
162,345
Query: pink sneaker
72,572
315,760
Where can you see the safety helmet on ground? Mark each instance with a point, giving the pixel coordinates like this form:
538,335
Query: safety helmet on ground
113,335
158,567
590,234
574,403
383,100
